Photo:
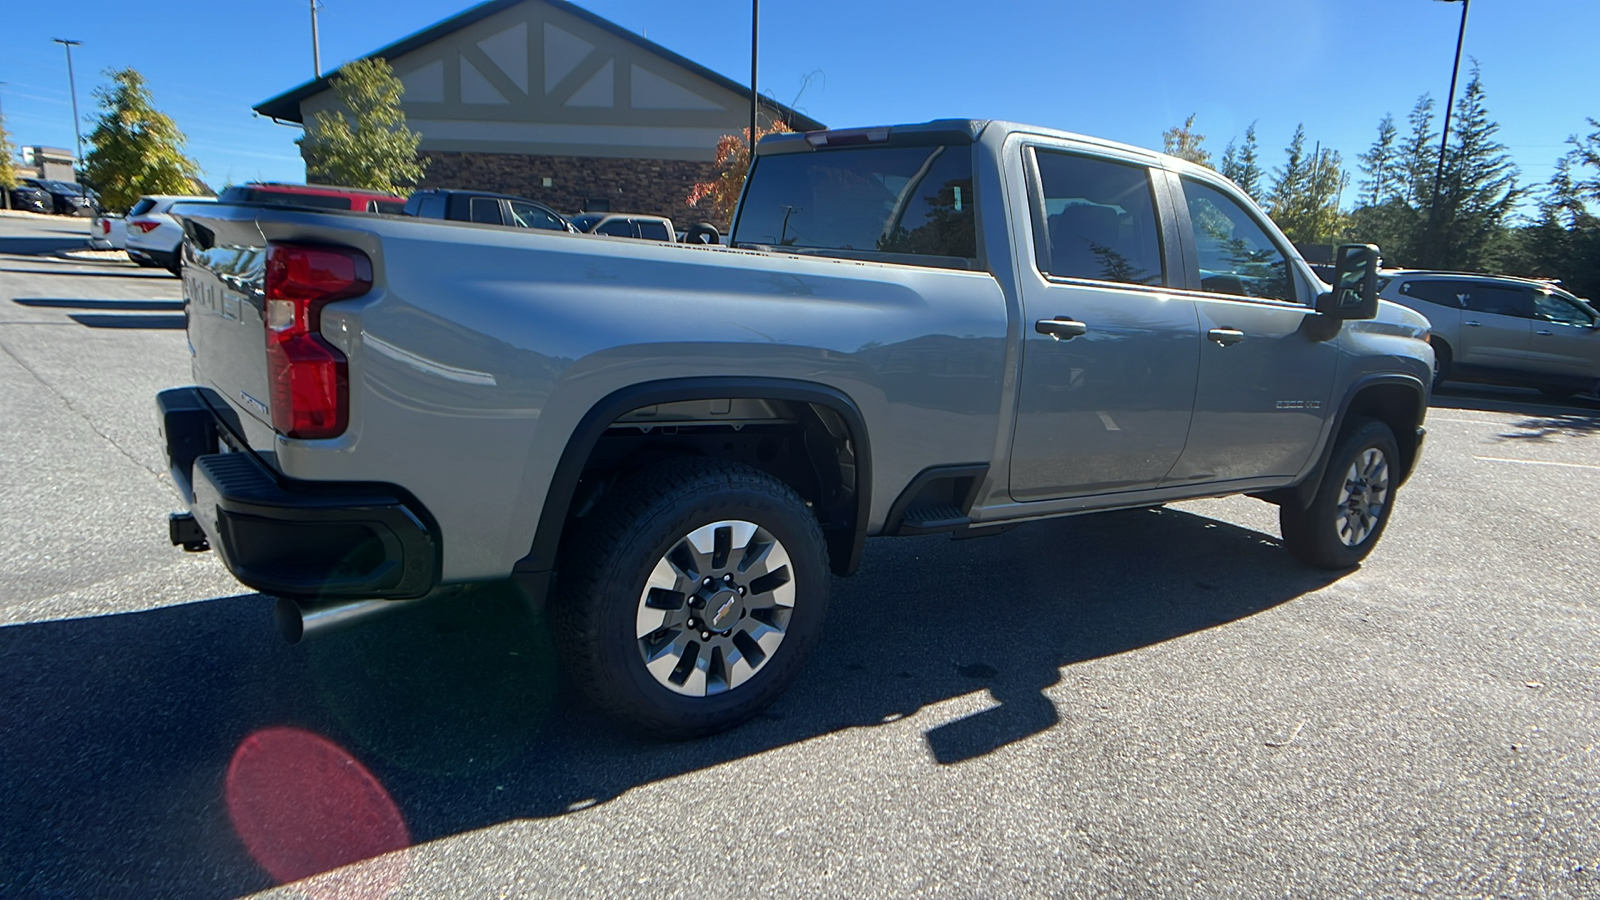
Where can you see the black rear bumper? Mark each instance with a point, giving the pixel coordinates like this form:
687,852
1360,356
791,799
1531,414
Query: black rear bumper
300,539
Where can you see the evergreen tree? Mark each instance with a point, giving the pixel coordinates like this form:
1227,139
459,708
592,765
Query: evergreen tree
1586,152
1289,180
1242,166
1383,179
1564,243
378,152
1419,155
136,149
1184,142
1477,195
1305,193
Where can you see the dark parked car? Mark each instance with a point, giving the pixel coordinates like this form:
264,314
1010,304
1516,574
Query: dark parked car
485,208
66,198
31,199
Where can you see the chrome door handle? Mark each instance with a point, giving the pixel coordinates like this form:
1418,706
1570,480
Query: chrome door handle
1545,333
1473,324
1225,336
1061,328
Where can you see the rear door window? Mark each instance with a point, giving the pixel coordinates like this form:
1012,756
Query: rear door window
1443,293
485,210
916,201
653,230
1098,218
616,228
1500,300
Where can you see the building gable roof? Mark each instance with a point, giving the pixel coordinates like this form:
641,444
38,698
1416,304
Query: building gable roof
286,106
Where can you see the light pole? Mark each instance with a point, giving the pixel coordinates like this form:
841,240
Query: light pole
72,85
755,98
5,195
1444,137
316,50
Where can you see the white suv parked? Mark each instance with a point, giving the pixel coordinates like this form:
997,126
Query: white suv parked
1503,330
153,235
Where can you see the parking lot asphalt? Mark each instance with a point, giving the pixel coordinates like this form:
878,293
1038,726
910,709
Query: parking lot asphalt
1152,703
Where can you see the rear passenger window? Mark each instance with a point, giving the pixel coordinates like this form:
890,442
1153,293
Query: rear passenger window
1500,300
1236,254
652,230
1099,220
485,210
616,228
1444,293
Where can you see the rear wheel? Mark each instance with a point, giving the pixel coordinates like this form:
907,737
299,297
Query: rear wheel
1351,507
691,597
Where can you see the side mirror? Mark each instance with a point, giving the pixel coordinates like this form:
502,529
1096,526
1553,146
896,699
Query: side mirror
1355,284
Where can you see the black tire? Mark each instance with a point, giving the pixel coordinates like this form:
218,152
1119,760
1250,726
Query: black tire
702,233
602,593
1334,532
1441,363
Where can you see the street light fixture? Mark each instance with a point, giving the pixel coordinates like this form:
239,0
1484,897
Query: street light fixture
72,85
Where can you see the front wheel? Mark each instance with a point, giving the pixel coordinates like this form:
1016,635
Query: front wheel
691,597
1351,507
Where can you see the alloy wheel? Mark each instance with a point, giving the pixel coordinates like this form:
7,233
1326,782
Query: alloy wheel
715,608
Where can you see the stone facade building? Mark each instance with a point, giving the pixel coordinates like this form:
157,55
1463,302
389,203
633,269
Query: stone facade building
544,99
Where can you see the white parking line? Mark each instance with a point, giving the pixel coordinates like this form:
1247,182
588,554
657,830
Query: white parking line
1535,462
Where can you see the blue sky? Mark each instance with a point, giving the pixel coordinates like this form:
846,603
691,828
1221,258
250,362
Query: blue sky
1120,69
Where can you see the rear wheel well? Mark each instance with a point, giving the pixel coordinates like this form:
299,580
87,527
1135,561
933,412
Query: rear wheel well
808,445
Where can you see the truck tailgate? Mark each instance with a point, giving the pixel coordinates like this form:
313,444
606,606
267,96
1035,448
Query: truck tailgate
223,278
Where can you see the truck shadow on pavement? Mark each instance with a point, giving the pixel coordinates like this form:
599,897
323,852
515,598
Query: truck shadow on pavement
119,732
112,305
33,246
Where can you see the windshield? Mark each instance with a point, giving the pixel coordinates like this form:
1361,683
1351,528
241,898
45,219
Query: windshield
874,200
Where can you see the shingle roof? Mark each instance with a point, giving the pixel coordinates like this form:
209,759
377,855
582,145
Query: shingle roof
286,106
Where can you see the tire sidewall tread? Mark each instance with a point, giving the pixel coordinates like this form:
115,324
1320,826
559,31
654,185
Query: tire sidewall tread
1308,533
604,566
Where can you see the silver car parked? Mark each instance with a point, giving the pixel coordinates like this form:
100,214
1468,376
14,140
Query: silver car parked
1503,330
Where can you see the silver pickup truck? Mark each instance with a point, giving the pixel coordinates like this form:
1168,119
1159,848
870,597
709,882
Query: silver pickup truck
954,326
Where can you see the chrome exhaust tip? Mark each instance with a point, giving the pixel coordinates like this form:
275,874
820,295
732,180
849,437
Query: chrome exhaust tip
298,620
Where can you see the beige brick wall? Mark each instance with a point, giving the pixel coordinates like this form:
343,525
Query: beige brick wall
651,186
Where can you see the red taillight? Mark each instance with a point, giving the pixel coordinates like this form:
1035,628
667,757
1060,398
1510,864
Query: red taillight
310,385
144,226
105,226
